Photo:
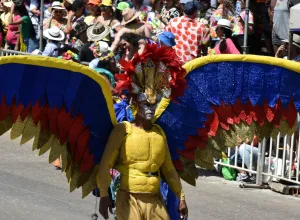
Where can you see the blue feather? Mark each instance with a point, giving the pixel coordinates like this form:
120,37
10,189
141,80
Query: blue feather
56,88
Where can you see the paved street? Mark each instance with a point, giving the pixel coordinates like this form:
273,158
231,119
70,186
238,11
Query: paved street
32,189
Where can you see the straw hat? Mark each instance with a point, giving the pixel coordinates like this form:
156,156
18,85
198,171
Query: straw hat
80,27
54,33
56,5
97,32
129,15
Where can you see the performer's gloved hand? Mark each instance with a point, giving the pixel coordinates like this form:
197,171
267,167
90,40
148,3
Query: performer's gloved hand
183,209
105,204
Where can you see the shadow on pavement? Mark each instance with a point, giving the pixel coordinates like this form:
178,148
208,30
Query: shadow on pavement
205,173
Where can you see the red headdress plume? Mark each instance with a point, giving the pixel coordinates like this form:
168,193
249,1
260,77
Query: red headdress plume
157,72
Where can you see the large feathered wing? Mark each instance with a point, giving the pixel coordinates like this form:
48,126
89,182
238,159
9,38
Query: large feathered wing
228,96
66,107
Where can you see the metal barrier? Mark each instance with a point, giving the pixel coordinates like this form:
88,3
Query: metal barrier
4,52
272,160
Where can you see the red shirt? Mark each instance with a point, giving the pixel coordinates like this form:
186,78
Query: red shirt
188,34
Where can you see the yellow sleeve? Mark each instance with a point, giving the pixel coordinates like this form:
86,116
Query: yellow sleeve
109,158
171,175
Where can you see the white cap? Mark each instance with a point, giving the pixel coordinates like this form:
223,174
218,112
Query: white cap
224,23
103,46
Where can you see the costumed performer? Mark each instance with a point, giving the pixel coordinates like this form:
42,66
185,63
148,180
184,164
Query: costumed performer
138,150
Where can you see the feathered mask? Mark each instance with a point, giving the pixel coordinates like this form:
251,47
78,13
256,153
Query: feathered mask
157,72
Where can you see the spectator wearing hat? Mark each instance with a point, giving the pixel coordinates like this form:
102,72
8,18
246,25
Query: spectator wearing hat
225,10
166,39
225,45
54,37
96,32
189,33
131,24
120,7
94,11
75,16
81,36
131,21
57,18
104,63
107,18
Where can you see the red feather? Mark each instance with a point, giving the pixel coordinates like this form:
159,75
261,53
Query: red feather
36,113
277,117
188,154
236,119
16,111
178,165
25,112
87,162
290,114
258,115
269,112
74,132
212,124
64,122
52,114
82,144
44,119
4,109
158,54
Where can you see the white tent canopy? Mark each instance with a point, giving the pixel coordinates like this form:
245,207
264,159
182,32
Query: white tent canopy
295,18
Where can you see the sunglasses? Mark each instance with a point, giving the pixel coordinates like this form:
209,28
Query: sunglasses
58,11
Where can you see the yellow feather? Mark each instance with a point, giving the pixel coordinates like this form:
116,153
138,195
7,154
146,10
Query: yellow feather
83,178
6,124
90,185
46,146
41,139
18,128
29,131
204,158
74,178
56,150
37,135
190,173
69,172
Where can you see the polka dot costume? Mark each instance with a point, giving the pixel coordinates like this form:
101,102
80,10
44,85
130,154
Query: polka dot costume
189,33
